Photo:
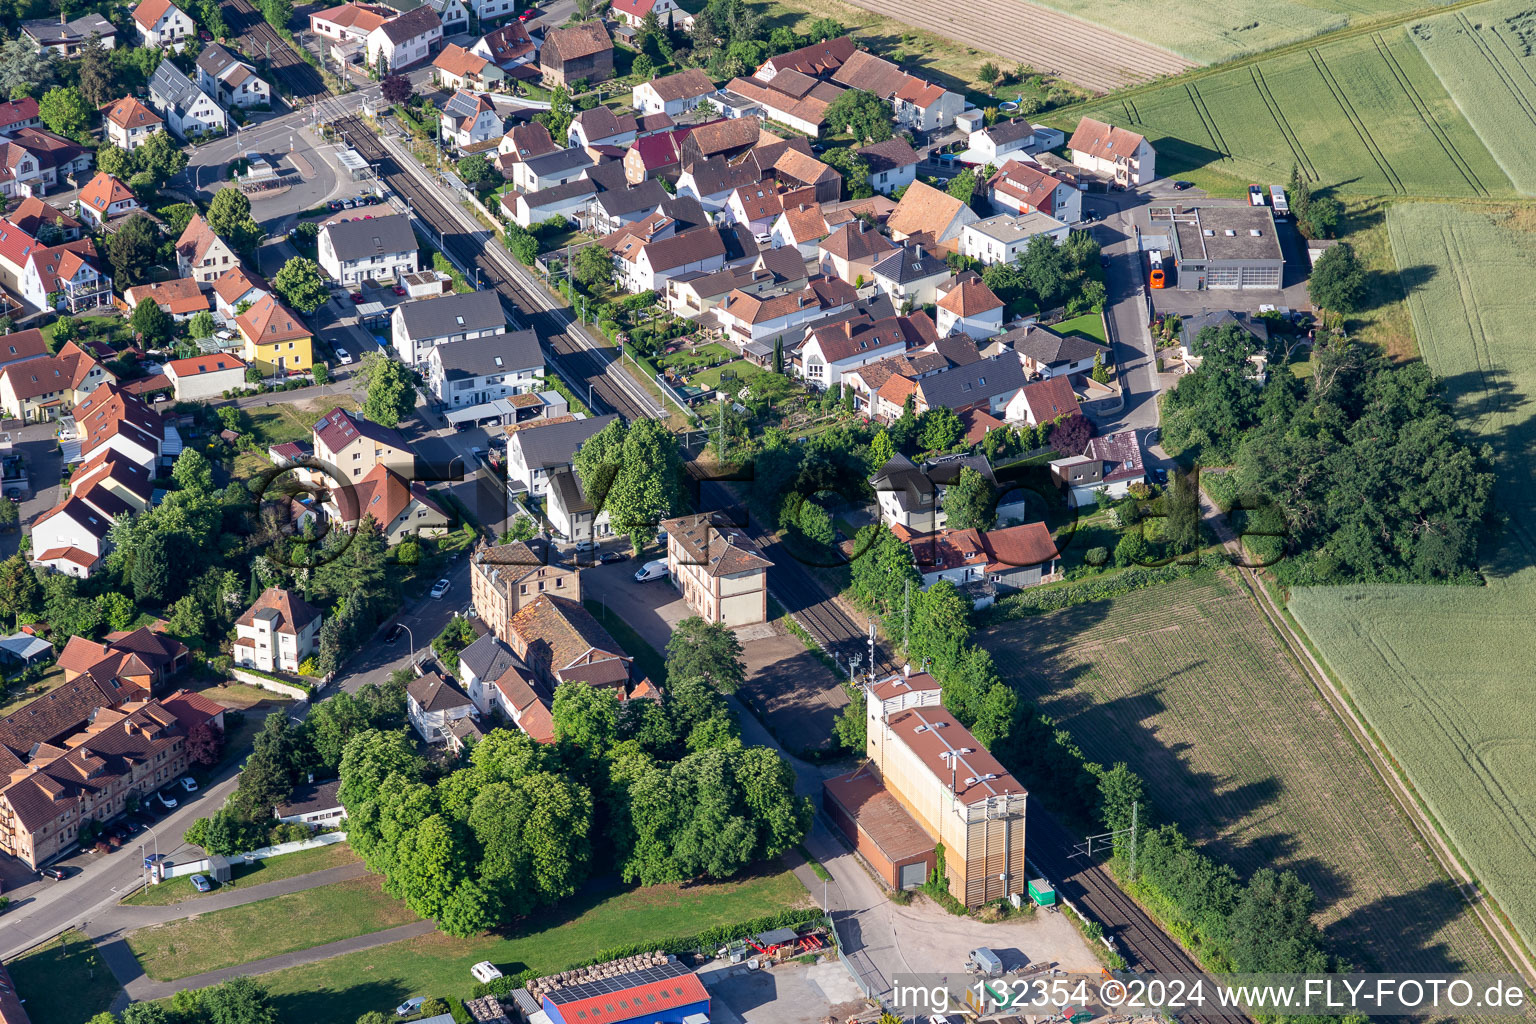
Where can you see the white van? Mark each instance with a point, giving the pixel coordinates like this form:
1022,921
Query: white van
651,571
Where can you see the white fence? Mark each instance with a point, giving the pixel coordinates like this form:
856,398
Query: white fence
268,684
172,869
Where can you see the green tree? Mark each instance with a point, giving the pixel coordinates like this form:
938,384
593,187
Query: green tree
632,473
161,158
963,186
592,266
1181,512
277,13
862,114
990,75
391,393
854,169
1043,270
851,726
152,570
23,70
816,524
586,717
940,625
1120,789
117,608
707,651
941,429
456,636
21,596
201,325
193,472
187,619
881,450
1323,216
229,215
301,284
133,249
558,117
476,171
823,29
64,110
95,72
882,570
643,67
146,1013
970,503
238,1000
151,324
778,354
1338,281
115,161
268,774
1271,926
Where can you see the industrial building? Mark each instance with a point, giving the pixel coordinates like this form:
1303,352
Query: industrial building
1222,247
927,782
654,988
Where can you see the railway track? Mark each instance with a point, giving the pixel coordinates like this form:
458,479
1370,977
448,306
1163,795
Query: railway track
586,365
259,39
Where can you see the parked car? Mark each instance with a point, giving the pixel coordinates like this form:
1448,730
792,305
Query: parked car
58,874
525,16
357,298
202,883
410,1006
653,570
398,290
440,588
612,556
1180,186
393,636
166,800
485,972
187,783
343,357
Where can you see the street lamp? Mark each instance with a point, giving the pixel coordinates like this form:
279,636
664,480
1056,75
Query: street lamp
146,860
412,637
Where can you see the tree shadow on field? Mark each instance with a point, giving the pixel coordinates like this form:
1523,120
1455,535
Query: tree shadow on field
1383,287
1488,404
344,1003
1405,921
1175,156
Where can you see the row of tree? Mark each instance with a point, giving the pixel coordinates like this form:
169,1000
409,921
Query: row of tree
237,1001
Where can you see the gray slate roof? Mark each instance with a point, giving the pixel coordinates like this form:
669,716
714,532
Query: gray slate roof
565,487
1044,345
960,386
1190,327
434,693
172,88
554,444
648,195
480,357
411,24
560,160
358,239
560,193
452,314
215,58
48,30
909,264
488,658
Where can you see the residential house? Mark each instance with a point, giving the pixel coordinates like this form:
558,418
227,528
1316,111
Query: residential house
537,173
912,496
1191,326
401,508
537,450
865,382
66,277
822,58
45,222
612,208
1011,558
349,22
473,372
111,417
1024,188
420,326
276,340
20,345
1045,353
571,515
909,274
930,217
181,298
773,272
749,319
656,156
645,265
569,201
71,537
523,142
131,664
967,306
1044,401
454,15
721,573
234,287
189,112
207,376
230,80
924,107
488,670
1121,155
892,164
851,252
104,198
434,704
276,633
509,47
20,170
130,123
18,114
1002,239
117,474
203,255
560,642
600,126
59,783
673,95
405,40
503,578
802,227
829,352
316,804
928,781
633,12
381,249
986,384
755,207
1111,464
44,386
457,68
354,445
469,119
582,51
712,181
789,98
1011,141
68,38
38,159
726,137
162,23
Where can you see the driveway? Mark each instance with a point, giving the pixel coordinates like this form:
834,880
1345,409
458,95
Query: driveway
790,993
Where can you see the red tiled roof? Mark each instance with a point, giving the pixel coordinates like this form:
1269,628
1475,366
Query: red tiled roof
104,190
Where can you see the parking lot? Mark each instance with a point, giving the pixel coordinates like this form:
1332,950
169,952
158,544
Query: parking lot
791,993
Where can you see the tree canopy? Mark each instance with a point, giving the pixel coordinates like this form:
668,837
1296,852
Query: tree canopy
634,473
970,503
1338,281
860,113
391,392
301,284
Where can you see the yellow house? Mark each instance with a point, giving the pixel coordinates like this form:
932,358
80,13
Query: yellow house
276,340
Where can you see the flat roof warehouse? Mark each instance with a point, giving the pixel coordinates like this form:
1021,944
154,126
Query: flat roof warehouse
1221,232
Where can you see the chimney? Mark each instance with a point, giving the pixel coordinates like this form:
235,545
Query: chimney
906,670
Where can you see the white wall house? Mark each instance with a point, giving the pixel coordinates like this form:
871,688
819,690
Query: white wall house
1113,152
276,633
205,376
475,371
1002,238
230,80
536,451
433,704
189,112
409,39
673,95
469,118
162,23
419,327
382,249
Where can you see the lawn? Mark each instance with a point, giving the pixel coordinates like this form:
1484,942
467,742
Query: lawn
1484,58
1364,115
651,662
288,420
270,869
11,701
1430,668
1187,684
710,378
341,988
1089,325
693,357
64,981
237,935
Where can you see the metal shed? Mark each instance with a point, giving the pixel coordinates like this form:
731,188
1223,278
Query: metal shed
218,869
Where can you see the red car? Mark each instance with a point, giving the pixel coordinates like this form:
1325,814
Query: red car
398,290
357,298
526,15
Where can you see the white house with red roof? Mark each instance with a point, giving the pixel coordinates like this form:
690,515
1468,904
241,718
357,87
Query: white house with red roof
234,287
1111,463
277,632
1011,558
470,118
968,306
130,123
1020,187
66,277
633,12
44,386
71,537
405,40
509,47
103,198
829,352
18,114
205,376
114,418
1116,153
162,23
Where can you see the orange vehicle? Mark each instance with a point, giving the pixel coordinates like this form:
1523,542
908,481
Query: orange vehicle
1157,279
